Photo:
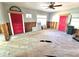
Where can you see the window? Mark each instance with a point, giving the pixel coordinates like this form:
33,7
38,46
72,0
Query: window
55,18
41,20
75,22
28,15
42,16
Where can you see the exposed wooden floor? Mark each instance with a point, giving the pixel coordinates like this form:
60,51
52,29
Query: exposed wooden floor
29,45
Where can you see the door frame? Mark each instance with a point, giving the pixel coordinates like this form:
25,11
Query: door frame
12,26
66,22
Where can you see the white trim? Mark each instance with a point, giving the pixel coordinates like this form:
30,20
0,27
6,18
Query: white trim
23,23
11,24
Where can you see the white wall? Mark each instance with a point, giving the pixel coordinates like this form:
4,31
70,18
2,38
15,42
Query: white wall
1,14
25,10
54,17
2,20
74,12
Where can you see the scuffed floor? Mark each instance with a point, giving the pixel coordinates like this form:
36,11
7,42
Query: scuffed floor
29,45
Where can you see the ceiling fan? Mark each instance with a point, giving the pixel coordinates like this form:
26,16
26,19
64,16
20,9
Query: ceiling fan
52,5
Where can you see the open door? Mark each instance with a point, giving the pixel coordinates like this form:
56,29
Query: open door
62,23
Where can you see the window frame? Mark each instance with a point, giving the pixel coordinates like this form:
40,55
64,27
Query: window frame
28,15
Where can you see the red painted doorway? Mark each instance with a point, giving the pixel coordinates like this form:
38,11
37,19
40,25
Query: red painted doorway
16,23
62,23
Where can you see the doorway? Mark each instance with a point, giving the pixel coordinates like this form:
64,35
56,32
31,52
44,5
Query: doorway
62,23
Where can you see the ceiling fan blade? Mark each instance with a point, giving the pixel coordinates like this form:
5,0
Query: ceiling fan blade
57,5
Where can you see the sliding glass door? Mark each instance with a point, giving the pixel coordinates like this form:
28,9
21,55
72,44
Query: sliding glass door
41,20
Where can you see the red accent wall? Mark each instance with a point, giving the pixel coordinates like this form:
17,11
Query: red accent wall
17,23
62,23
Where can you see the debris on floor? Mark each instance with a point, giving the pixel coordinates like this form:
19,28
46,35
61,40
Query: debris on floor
46,41
50,56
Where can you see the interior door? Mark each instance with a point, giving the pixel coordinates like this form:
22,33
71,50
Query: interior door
17,23
62,23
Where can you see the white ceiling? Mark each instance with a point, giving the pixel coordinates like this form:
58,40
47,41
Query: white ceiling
41,5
